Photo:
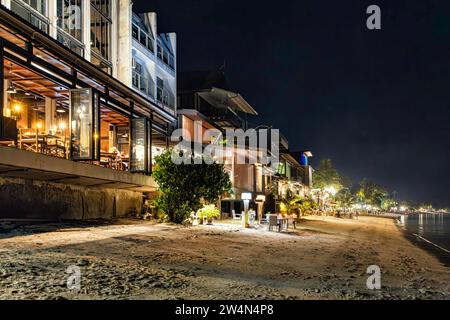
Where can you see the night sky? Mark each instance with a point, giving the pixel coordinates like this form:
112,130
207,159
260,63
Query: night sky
376,102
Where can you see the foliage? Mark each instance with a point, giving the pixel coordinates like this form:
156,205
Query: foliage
345,198
326,176
290,200
306,205
185,187
372,194
208,212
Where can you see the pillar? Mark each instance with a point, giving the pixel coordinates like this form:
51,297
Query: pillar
50,110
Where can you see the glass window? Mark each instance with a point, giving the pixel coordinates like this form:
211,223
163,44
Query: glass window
171,61
100,29
38,5
135,32
166,57
143,39
69,14
159,89
138,145
82,124
159,51
101,63
150,44
103,6
34,11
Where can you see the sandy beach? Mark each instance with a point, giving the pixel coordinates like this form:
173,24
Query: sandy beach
324,258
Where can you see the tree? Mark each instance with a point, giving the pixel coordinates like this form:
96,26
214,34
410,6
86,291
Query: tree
345,198
183,188
327,179
306,205
290,200
326,176
372,194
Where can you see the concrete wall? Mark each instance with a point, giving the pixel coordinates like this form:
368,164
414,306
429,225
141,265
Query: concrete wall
32,199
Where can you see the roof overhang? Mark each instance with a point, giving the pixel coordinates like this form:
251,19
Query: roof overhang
198,116
17,163
223,98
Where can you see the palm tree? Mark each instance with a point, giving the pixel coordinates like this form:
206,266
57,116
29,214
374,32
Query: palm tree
345,199
290,200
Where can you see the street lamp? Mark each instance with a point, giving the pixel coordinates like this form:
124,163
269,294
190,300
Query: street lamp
246,197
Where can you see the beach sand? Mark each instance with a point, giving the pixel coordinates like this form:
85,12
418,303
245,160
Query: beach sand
324,258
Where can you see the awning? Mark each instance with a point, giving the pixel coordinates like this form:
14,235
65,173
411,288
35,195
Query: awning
224,98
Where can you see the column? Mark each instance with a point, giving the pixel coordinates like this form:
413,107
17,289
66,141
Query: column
50,110
86,27
53,19
123,41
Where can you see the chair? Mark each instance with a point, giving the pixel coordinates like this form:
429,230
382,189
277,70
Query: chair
273,221
236,216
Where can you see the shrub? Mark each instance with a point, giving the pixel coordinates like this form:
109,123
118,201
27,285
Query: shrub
208,212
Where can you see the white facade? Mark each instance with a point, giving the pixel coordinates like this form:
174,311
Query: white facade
154,61
102,33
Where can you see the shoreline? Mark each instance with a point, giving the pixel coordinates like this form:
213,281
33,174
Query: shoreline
434,249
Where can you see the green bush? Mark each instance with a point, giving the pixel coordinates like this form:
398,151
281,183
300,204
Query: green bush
184,187
208,212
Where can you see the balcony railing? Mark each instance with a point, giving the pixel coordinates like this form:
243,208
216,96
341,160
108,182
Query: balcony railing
143,84
70,42
31,15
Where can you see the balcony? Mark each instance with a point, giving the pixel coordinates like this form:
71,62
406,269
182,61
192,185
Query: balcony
70,42
31,15
143,84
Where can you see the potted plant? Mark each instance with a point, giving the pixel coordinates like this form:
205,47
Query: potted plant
208,213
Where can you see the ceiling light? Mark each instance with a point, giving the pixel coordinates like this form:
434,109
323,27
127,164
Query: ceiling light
60,110
11,88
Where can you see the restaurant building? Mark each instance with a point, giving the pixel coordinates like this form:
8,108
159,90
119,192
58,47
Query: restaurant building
87,100
206,102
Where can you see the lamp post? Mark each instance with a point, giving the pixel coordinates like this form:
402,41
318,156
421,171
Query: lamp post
246,197
260,199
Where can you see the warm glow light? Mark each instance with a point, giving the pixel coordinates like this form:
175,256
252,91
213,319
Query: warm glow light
39,125
17,108
62,125
95,136
246,196
331,190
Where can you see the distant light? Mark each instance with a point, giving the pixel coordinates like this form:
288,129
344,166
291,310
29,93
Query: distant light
62,125
331,190
60,110
39,125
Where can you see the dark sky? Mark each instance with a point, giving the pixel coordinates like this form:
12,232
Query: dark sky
376,102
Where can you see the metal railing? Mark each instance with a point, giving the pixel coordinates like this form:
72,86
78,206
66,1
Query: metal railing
31,15
70,42
143,84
